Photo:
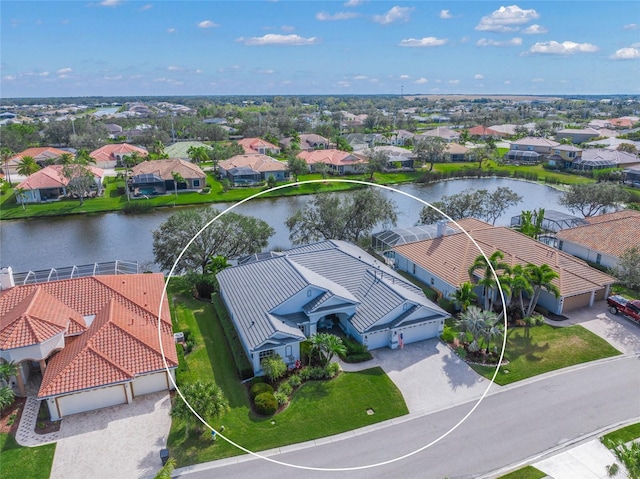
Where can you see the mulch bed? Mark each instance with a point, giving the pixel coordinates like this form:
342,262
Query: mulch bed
12,414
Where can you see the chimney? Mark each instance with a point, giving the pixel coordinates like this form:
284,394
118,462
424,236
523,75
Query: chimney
441,228
6,278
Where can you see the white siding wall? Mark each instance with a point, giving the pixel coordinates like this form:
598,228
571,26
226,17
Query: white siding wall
588,254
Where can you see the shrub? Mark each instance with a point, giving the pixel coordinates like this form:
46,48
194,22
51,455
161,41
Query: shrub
259,388
282,398
448,334
358,358
285,388
317,373
274,367
266,403
305,374
447,305
295,380
137,207
332,370
461,352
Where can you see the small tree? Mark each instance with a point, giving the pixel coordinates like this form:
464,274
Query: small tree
274,367
628,268
177,178
430,150
297,166
81,181
6,397
327,345
27,166
205,397
21,196
464,296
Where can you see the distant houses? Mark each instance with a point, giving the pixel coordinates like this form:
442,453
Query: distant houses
159,177
50,184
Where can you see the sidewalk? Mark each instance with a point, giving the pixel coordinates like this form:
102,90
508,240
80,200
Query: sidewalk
26,434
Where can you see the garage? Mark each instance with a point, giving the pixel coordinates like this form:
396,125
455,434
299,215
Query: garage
576,302
377,339
420,331
93,399
150,383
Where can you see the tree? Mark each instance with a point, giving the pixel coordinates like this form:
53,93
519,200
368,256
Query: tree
166,470
628,268
232,235
430,150
132,159
274,367
481,325
377,161
81,180
297,166
342,144
21,196
540,277
531,223
322,169
498,201
65,159
591,199
177,178
6,154
8,369
464,296
6,397
198,154
341,217
205,397
482,154
487,279
628,148
27,166
327,345
519,284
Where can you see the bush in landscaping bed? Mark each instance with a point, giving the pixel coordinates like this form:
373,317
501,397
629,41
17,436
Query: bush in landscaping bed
332,370
448,334
266,403
286,388
259,388
281,398
295,380
358,358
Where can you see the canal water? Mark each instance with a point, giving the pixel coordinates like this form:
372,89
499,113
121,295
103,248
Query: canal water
37,244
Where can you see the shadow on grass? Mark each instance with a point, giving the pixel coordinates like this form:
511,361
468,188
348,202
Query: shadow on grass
521,343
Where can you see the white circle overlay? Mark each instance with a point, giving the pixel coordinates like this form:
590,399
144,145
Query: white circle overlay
332,469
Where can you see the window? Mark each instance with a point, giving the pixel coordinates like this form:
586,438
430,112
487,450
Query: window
196,183
309,293
598,258
266,354
432,281
414,268
560,245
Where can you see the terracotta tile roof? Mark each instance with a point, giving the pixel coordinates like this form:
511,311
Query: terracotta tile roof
482,131
164,169
611,233
113,151
37,318
52,177
329,157
39,154
252,145
259,163
449,257
121,342
536,141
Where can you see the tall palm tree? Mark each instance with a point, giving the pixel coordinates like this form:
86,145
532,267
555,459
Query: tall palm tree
8,369
84,157
6,154
177,178
487,280
21,196
27,166
540,277
520,284
132,159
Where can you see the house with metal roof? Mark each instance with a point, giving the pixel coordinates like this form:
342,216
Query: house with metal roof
278,302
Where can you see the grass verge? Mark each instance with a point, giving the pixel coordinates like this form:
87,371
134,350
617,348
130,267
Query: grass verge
547,348
19,462
527,472
624,435
338,405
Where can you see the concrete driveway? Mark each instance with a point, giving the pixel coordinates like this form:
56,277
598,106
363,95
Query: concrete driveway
430,376
120,441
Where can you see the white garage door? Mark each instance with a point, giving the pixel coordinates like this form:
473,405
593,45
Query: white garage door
377,340
149,383
89,400
420,332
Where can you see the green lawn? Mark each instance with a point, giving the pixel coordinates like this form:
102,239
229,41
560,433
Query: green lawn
527,472
318,409
547,348
624,435
17,462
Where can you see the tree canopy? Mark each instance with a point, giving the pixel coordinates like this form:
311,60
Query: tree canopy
430,150
232,235
628,268
342,217
591,199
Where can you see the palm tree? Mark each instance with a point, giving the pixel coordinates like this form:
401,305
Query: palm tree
132,159
464,296
6,154
491,329
27,166
205,397
520,284
65,159
8,369
84,158
177,178
471,322
540,277
6,397
327,345
167,469
488,280
21,196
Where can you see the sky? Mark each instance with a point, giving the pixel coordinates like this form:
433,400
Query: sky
139,48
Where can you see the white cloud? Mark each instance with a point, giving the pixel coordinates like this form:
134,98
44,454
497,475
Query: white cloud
535,29
173,68
478,76
143,8
627,53
514,42
64,71
396,14
537,80
404,77
117,77
353,3
344,84
171,30
276,39
207,24
631,26
635,45
445,14
564,48
360,77
267,71
327,17
287,28
110,3
454,82
506,19
197,71
423,42
9,77
421,81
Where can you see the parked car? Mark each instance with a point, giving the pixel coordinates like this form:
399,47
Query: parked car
628,307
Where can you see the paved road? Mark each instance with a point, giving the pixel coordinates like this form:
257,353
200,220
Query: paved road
511,425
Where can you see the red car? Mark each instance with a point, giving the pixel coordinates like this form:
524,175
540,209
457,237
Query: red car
629,308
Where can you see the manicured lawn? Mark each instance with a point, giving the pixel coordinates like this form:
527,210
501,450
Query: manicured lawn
528,472
19,462
318,408
547,348
623,435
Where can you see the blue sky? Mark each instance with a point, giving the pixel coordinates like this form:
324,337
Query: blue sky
113,48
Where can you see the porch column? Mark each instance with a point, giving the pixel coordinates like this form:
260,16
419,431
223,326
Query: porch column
21,387
592,298
43,366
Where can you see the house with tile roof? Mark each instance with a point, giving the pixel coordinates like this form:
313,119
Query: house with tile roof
96,341
44,156
447,134
457,152
112,155
308,142
156,177
251,169
604,238
49,184
399,158
531,149
483,132
258,146
443,262
277,302
339,162
577,135
598,158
